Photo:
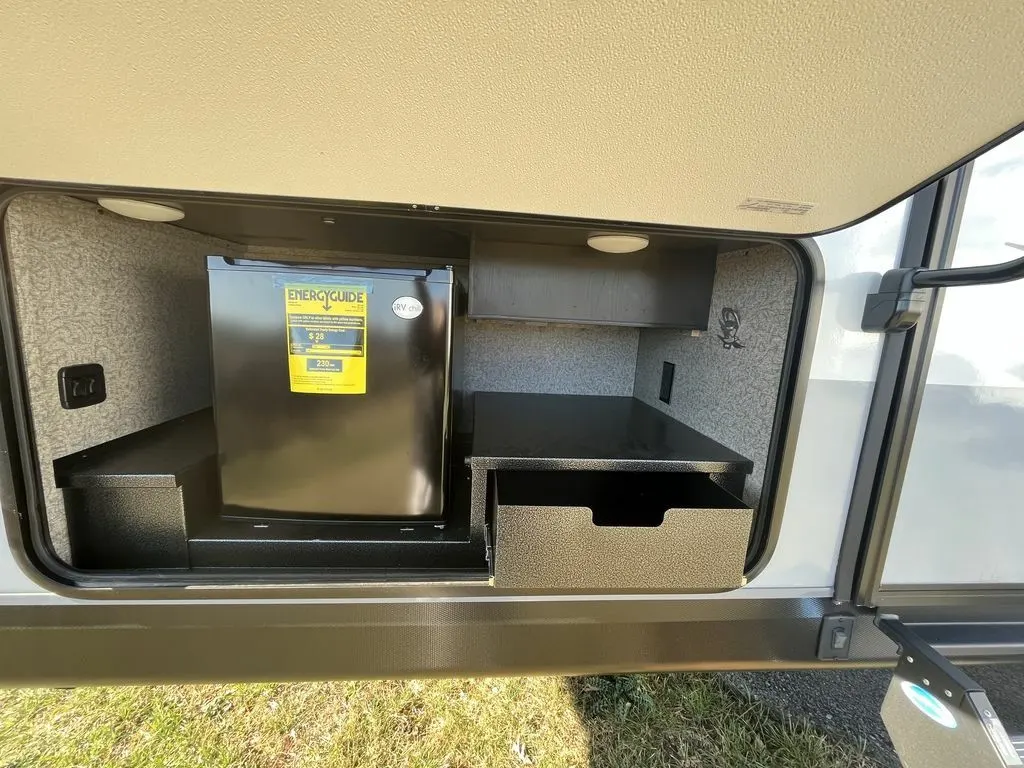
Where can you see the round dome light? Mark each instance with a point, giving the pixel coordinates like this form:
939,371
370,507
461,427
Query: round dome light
144,210
615,243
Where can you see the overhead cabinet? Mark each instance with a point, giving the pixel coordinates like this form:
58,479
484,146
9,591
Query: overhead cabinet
574,284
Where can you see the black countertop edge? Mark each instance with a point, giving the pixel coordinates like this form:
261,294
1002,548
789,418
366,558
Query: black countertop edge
608,465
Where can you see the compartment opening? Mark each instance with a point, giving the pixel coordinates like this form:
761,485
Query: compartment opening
642,515
134,486
615,499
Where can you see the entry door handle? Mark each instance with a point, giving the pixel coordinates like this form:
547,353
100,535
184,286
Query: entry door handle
901,297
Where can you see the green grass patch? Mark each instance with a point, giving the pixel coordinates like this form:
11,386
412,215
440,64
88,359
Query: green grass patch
653,721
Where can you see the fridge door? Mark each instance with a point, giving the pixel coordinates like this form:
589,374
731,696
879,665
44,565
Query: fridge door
331,389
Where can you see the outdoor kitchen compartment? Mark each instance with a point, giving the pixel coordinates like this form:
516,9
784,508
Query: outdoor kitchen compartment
506,444
331,390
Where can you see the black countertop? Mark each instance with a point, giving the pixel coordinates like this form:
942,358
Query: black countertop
153,458
589,432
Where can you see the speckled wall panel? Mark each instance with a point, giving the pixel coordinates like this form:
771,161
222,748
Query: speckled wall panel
727,379
94,287
551,359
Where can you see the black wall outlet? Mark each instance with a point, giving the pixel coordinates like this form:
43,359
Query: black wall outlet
668,375
81,385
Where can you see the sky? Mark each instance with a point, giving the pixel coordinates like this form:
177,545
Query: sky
981,329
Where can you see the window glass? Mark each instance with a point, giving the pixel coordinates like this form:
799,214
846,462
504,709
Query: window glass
960,517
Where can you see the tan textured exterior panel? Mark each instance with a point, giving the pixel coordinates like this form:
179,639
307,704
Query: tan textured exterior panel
693,550
653,112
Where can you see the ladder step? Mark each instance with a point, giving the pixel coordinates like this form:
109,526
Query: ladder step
1018,744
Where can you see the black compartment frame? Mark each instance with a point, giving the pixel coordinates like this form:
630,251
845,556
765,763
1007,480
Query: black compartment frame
20,481
355,550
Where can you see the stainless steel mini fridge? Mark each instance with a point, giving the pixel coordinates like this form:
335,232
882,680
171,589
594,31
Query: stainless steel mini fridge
331,389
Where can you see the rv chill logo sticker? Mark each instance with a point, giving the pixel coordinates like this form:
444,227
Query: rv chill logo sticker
928,704
326,324
407,307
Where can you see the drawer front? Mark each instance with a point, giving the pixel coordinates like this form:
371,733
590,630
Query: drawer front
560,548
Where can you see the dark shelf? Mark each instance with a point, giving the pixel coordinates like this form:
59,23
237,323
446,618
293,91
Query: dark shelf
270,552
587,432
158,457
152,499
572,284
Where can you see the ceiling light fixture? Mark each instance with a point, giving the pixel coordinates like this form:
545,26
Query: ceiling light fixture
143,210
615,243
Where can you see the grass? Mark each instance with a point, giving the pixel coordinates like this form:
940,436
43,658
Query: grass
653,721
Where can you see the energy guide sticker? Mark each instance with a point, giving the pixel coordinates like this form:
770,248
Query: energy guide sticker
327,350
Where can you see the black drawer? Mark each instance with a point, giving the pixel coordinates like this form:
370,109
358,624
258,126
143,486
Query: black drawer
618,531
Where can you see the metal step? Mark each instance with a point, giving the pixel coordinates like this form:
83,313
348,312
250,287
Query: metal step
937,716
1018,744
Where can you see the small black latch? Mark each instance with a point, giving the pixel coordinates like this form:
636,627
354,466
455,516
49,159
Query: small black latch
834,640
81,385
897,305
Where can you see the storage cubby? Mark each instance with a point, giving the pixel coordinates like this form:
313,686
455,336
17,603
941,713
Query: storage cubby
127,500
564,284
152,500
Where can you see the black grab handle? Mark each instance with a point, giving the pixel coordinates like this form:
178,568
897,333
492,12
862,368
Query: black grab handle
900,298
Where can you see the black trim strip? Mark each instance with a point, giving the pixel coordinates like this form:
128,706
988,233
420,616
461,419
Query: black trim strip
788,405
888,383
117,643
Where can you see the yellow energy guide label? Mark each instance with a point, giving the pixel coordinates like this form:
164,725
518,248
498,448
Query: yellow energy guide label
327,350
